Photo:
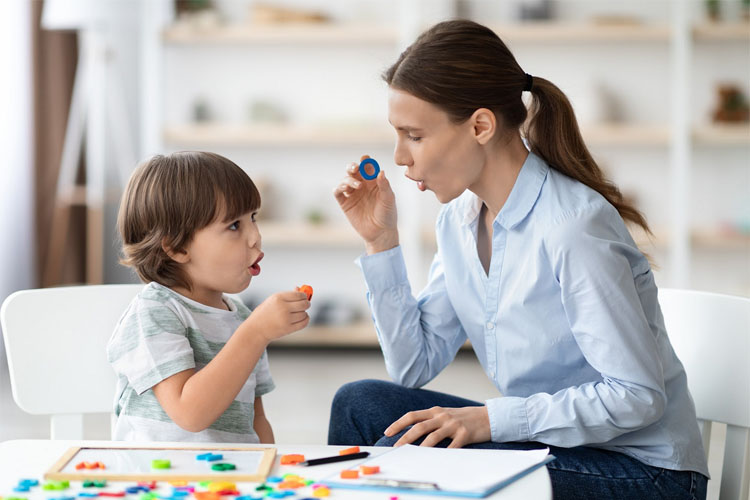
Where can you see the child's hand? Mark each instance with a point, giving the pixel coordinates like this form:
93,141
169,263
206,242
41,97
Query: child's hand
280,314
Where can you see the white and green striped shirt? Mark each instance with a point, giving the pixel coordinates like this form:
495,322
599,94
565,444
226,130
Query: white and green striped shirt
163,333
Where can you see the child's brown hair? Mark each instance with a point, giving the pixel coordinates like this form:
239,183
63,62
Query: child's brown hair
168,199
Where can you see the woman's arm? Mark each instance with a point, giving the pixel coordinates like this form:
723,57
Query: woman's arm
419,337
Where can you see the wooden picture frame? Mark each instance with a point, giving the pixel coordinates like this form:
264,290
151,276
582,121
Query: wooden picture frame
137,460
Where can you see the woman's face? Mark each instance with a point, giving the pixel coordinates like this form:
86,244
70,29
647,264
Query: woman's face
438,154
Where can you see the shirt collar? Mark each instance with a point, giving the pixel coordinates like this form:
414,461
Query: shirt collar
522,197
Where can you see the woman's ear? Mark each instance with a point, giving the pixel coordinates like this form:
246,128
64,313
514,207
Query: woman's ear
483,124
179,256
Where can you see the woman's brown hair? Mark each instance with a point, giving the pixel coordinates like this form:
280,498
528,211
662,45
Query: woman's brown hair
461,66
168,199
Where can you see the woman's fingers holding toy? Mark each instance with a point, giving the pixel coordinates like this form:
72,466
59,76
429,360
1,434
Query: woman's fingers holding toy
347,186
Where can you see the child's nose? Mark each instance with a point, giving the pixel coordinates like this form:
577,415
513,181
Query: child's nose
253,238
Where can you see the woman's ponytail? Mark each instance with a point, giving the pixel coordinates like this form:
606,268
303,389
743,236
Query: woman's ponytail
552,133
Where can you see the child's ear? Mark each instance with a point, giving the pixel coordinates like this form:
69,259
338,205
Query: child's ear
180,256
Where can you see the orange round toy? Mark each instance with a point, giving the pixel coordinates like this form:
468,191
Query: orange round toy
307,290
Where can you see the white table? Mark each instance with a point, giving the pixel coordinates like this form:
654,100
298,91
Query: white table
30,459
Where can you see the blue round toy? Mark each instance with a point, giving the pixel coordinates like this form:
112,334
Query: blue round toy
363,170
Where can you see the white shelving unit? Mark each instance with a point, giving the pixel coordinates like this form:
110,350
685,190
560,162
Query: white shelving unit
673,137
289,33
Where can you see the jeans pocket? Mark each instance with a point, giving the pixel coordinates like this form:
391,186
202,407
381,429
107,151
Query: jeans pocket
682,484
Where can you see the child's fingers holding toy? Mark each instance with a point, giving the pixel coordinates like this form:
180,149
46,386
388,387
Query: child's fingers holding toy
281,314
307,290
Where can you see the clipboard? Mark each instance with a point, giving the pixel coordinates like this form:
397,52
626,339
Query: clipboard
464,472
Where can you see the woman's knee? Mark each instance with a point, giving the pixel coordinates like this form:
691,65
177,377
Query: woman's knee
353,394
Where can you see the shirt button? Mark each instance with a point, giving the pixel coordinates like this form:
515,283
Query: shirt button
490,325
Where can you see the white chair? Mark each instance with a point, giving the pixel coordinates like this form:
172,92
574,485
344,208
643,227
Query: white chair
710,333
55,340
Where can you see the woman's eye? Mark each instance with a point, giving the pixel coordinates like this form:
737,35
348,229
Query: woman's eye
414,138
234,226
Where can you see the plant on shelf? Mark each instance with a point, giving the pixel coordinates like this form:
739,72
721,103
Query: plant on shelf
733,106
712,9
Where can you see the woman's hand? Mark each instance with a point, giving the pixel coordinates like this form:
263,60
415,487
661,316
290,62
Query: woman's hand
464,426
370,207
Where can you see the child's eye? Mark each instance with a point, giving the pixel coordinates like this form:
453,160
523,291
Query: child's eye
253,216
234,226
414,138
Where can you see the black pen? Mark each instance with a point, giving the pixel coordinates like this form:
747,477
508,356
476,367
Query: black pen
336,458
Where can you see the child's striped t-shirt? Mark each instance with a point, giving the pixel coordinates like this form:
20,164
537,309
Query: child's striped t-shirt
163,333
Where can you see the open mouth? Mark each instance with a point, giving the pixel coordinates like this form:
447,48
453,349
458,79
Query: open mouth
255,268
420,184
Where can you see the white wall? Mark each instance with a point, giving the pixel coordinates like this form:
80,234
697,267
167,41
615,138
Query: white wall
16,182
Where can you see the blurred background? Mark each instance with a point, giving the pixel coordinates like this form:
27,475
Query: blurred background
291,91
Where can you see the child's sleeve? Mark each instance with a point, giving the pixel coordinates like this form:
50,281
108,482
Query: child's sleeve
149,345
263,381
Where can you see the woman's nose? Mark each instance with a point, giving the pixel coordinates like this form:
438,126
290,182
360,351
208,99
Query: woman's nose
401,155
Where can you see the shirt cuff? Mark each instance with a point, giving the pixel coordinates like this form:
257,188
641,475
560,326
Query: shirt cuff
383,270
508,419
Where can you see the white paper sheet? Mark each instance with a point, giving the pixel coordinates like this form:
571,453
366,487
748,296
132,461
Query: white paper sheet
459,470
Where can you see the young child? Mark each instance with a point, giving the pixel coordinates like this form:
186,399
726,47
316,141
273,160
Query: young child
191,361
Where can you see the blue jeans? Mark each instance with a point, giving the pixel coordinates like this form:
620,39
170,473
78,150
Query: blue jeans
362,410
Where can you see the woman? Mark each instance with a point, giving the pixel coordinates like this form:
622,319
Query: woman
535,266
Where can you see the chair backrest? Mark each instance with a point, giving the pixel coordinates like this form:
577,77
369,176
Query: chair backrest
55,340
710,333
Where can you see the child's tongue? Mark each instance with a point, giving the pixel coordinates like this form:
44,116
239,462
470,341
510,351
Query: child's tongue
420,185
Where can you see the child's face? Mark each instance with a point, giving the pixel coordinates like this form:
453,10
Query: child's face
223,257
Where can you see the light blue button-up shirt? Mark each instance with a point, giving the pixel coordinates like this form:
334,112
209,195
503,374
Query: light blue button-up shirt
566,324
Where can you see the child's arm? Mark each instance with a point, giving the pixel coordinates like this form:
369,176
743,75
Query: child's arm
261,424
195,399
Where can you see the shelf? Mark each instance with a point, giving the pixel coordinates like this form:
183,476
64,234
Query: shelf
355,335
333,33
616,134
360,334
282,33
722,32
700,238
716,240
215,134
308,235
723,134
589,32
